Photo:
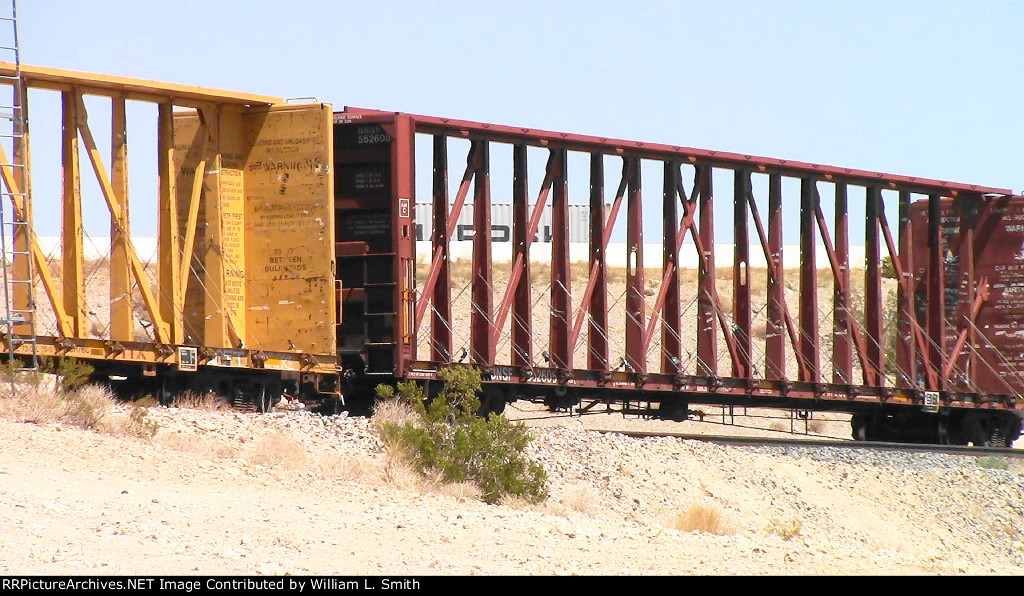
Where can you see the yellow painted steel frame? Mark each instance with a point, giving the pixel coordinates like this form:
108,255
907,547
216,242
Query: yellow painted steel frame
221,344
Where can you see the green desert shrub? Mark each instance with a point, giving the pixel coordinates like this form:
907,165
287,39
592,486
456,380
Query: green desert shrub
993,462
71,373
446,438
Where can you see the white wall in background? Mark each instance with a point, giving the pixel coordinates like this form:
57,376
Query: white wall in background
501,252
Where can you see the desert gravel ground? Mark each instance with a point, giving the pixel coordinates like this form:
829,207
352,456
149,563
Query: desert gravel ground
223,492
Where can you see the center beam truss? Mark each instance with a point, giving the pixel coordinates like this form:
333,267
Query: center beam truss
787,361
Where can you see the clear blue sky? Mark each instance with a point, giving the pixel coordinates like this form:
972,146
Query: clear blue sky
931,89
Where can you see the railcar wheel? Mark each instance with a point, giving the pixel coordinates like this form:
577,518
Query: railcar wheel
262,398
165,390
957,434
562,399
859,426
492,401
976,430
677,411
942,431
497,405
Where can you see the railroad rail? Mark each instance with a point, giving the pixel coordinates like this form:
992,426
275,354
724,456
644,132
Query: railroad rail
839,443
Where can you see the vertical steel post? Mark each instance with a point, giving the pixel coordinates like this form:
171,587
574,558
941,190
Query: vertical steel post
522,315
635,311
122,326
597,333
168,240
842,347
809,353
707,323
481,338
403,176
671,346
561,289
936,291
741,274
72,256
873,317
968,207
906,351
208,244
440,325
775,338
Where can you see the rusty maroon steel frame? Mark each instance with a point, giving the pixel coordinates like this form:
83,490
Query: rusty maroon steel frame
923,348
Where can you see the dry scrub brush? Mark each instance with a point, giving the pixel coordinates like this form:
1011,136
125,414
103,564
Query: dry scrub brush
276,449
786,529
56,394
207,401
90,407
702,518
